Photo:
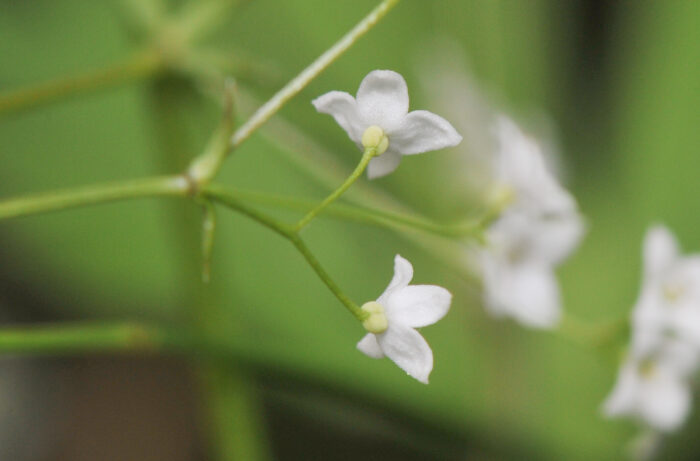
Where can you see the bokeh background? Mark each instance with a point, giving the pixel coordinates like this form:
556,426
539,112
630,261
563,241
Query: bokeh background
614,85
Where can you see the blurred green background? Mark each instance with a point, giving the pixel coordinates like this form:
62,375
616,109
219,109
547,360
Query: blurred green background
620,83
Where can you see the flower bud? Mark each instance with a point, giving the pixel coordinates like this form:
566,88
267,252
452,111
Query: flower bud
376,322
374,137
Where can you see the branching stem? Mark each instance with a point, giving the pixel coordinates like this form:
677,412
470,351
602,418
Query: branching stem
176,186
298,83
364,161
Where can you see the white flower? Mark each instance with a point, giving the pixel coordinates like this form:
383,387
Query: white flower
653,392
382,103
396,314
539,228
669,303
653,384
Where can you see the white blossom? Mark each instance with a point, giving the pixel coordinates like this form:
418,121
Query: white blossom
539,227
382,106
653,384
669,303
653,392
396,314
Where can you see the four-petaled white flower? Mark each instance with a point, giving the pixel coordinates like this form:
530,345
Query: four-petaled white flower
653,383
396,314
537,230
380,115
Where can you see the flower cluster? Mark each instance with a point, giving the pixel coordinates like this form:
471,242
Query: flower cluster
653,383
378,119
538,228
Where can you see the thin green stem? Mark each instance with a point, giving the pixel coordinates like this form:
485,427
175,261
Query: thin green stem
208,234
222,195
225,197
89,338
364,161
591,335
137,66
206,166
327,280
364,214
93,194
292,88
84,337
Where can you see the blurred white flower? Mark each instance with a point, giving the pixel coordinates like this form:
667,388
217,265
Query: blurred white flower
382,106
653,384
396,314
537,230
669,304
653,392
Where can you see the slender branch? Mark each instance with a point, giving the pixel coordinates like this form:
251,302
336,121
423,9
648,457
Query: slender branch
208,234
57,339
591,335
292,88
366,215
136,66
364,161
89,338
93,194
327,280
223,196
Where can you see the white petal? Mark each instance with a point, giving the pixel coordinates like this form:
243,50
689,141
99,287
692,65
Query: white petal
403,273
660,251
407,348
520,164
383,165
665,402
343,108
623,398
527,292
382,99
418,305
369,346
422,131
678,357
684,320
558,236
523,236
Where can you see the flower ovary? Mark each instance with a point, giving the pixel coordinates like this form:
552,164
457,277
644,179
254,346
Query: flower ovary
376,322
374,138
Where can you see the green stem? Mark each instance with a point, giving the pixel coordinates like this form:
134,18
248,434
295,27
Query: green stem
368,154
297,84
236,413
591,335
93,194
59,340
163,186
89,338
327,280
208,234
366,215
225,197
179,186
136,66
